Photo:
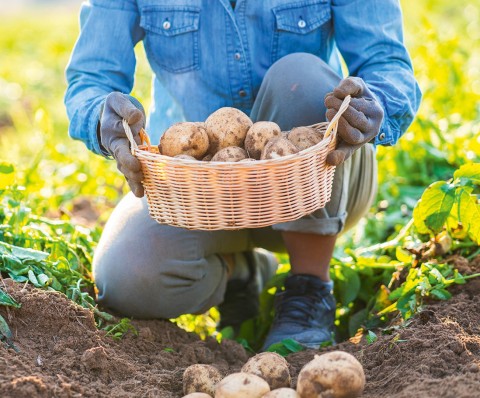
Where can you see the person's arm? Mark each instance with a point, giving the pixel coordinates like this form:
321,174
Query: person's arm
369,35
102,62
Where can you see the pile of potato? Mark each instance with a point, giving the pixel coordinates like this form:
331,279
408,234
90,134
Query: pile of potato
228,135
336,374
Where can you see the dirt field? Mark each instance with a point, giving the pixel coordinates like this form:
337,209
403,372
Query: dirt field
62,354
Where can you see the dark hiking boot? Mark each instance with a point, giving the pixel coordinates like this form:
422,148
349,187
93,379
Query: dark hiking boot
304,312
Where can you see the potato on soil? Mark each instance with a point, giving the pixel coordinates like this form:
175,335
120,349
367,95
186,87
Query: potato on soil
230,154
304,137
201,378
281,393
185,138
197,395
278,147
335,374
227,127
271,367
257,137
239,385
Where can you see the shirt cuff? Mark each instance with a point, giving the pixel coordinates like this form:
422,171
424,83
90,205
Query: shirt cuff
386,135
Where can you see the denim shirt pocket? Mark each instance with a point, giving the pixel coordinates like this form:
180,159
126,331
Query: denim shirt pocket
171,36
301,27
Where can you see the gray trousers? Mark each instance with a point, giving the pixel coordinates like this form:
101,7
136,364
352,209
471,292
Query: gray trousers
148,270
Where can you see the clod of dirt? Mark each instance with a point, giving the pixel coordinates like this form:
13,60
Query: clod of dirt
95,358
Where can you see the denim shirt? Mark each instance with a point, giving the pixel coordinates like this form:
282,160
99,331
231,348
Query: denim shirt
205,55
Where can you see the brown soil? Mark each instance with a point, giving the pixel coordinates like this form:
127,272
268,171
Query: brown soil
62,354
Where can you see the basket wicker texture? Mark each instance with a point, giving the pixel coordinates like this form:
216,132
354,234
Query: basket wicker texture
235,195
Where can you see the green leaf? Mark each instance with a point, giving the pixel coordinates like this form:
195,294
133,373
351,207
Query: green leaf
244,344
6,167
293,345
5,331
356,321
433,208
371,337
468,171
6,299
227,333
442,294
469,213
403,255
28,254
348,284
285,347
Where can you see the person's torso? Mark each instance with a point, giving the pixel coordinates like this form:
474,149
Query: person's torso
206,55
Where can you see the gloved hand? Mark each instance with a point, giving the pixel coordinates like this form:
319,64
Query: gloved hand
112,136
359,124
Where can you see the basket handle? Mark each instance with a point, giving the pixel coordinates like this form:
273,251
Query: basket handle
332,126
144,138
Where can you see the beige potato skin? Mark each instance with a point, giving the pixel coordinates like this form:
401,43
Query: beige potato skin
257,137
226,127
197,395
185,157
281,393
230,154
201,378
304,137
271,367
277,148
239,385
335,374
184,138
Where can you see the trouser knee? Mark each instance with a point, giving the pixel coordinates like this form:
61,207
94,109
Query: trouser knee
163,290
293,90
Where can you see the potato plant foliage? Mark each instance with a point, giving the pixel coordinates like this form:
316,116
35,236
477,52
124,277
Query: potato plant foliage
386,266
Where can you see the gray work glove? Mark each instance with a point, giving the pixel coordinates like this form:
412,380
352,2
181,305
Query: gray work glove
359,124
113,138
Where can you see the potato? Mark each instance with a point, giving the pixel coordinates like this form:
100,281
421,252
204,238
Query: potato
281,393
230,154
278,147
304,137
335,374
271,367
226,127
239,385
201,378
197,395
185,138
183,156
258,135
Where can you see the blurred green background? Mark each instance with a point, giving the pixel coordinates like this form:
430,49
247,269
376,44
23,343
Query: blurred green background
62,180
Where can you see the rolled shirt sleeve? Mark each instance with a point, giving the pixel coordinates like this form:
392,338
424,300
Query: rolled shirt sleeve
103,61
369,35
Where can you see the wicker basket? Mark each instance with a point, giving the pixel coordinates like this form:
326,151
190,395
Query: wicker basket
228,195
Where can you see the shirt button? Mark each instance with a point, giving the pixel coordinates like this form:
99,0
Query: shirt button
237,56
166,25
302,24
381,136
242,93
